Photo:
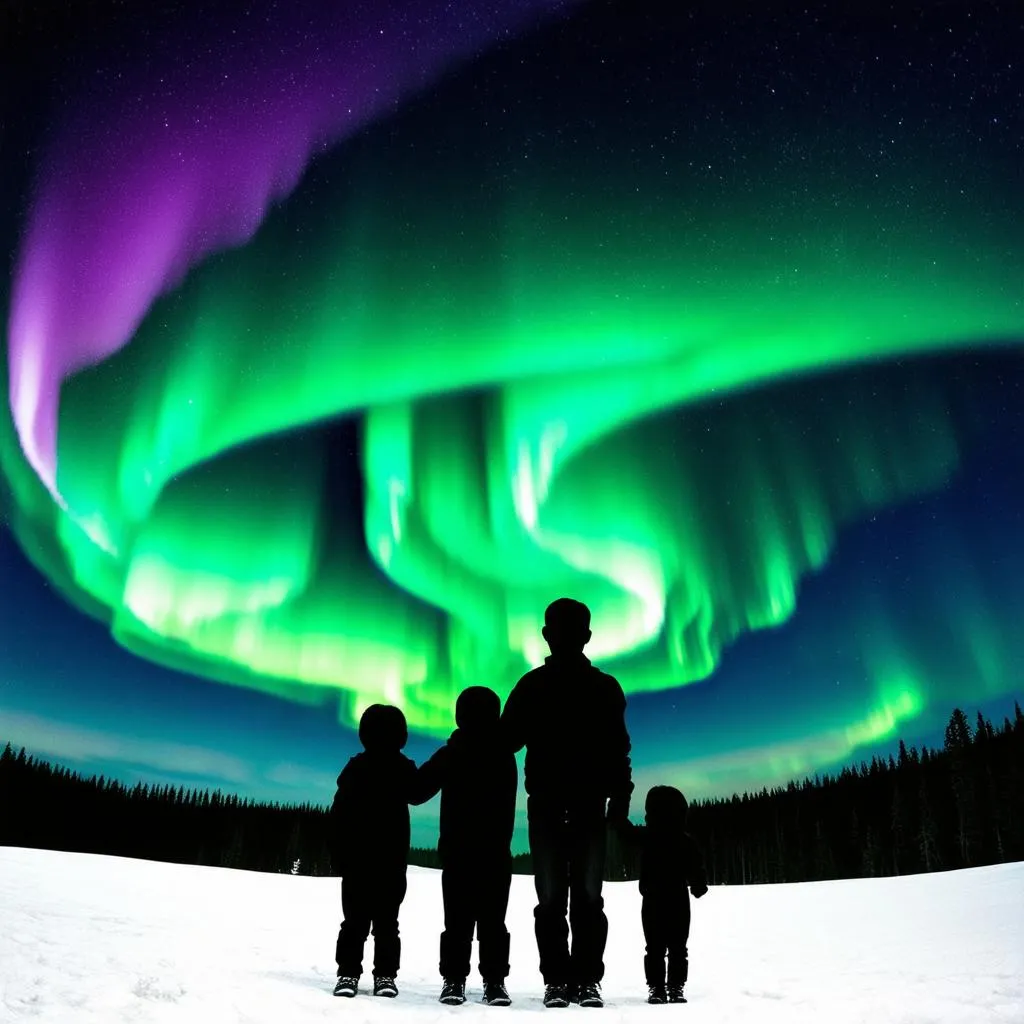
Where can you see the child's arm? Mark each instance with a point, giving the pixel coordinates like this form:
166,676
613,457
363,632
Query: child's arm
631,836
426,781
695,874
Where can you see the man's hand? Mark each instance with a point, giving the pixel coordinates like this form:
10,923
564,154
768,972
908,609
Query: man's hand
618,810
698,890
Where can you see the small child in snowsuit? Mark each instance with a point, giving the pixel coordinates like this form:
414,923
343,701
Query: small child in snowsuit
477,776
370,847
669,862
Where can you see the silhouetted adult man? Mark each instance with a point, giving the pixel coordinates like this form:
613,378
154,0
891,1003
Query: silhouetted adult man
571,718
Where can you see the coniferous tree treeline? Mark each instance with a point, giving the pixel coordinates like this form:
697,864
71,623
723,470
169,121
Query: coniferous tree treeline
926,810
50,807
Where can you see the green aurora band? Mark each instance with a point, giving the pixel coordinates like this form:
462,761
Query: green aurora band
545,367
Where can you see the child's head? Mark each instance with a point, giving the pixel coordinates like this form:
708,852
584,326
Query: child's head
382,727
666,806
477,708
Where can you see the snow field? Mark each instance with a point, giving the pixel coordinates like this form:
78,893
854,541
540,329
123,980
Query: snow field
103,940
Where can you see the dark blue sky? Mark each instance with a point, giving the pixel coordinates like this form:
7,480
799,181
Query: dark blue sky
918,606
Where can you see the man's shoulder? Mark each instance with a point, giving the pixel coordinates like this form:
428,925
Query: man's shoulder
598,676
606,677
538,672
608,682
530,679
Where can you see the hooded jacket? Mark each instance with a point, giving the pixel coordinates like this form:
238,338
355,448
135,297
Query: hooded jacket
570,716
370,813
669,860
477,778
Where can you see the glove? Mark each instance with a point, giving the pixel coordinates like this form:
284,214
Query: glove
618,810
698,890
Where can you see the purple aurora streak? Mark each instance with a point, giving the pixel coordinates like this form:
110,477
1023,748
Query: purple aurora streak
187,153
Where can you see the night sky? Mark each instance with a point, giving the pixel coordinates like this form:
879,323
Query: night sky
340,339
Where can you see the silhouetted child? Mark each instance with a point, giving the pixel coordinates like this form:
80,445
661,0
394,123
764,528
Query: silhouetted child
476,774
669,862
370,848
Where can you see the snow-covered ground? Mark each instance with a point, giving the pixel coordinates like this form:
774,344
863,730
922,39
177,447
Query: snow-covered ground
101,939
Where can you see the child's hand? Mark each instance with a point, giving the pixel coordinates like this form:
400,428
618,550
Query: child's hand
698,891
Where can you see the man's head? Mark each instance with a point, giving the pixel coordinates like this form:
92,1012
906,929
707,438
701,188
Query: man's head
567,626
382,727
666,807
477,709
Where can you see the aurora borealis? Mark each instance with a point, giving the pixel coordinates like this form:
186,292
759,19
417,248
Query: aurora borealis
334,352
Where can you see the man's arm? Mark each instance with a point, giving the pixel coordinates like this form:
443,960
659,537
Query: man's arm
514,716
620,774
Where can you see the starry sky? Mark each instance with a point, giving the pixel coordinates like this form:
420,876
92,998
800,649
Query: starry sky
340,339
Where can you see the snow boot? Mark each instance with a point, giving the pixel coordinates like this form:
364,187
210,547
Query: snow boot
590,994
656,994
495,993
384,986
675,994
556,995
453,992
346,986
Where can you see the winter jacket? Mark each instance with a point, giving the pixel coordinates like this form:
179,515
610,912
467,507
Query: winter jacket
570,716
669,860
477,777
370,813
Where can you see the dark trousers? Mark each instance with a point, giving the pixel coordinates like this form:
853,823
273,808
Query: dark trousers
568,851
370,899
666,920
475,896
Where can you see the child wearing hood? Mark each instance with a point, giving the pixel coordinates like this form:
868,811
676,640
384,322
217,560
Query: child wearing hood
669,863
370,848
477,776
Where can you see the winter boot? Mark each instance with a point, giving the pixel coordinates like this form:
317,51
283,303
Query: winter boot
384,986
675,994
347,986
656,994
590,994
495,993
453,992
556,995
